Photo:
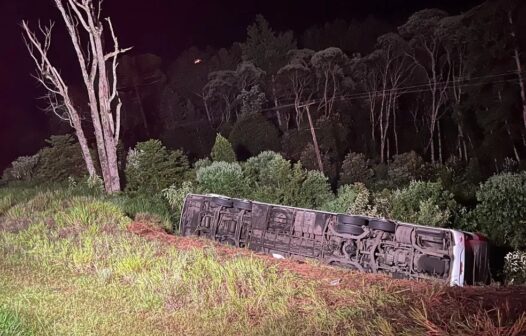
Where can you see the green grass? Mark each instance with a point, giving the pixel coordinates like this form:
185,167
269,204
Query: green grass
69,267
11,324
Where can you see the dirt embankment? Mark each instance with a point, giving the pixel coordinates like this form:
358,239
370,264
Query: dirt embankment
443,304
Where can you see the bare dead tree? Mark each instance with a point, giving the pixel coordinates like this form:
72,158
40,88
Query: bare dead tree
82,18
59,101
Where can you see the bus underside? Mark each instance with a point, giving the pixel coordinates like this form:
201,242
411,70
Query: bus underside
357,242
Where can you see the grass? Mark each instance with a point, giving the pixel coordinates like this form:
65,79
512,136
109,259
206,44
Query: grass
11,324
70,267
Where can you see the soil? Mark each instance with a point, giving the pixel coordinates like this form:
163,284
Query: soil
509,302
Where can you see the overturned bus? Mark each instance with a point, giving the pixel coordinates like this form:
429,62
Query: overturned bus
358,242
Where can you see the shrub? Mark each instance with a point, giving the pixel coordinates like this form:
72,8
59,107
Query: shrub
404,168
294,142
501,212
175,197
426,203
253,134
273,179
225,178
222,150
150,167
201,163
151,208
356,168
310,161
345,199
60,160
315,191
515,267
23,168
268,175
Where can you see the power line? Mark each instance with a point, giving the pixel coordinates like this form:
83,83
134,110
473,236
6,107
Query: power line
402,90
461,79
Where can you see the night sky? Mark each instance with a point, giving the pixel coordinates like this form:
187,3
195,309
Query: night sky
162,27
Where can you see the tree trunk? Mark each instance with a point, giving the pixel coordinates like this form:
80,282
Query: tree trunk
395,132
515,152
432,145
141,110
276,102
86,154
440,152
314,140
516,56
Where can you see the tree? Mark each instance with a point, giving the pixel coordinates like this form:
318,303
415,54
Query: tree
135,74
426,51
298,77
328,66
100,82
390,68
454,35
268,51
222,150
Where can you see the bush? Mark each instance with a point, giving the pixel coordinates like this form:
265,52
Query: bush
268,175
501,212
23,168
515,267
404,168
60,160
142,207
253,134
175,197
356,168
273,179
310,161
150,167
345,199
314,189
222,150
426,203
222,178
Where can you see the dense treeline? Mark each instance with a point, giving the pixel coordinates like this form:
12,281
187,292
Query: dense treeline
444,86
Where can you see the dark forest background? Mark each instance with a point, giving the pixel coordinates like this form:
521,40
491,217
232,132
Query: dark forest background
445,86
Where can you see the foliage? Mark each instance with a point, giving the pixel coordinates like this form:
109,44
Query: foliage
501,211
266,48
61,159
426,203
175,197
314,190
202,163
224,178
310,161
404,168
222,150
23,168
269,175
151,167
345,199
515,267
251,100
274,179
356,168
253,134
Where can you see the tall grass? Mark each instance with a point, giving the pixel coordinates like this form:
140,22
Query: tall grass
75,270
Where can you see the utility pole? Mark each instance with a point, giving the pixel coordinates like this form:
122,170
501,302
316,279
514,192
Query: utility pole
313,133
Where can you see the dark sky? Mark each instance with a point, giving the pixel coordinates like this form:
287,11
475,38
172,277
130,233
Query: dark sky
164,27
